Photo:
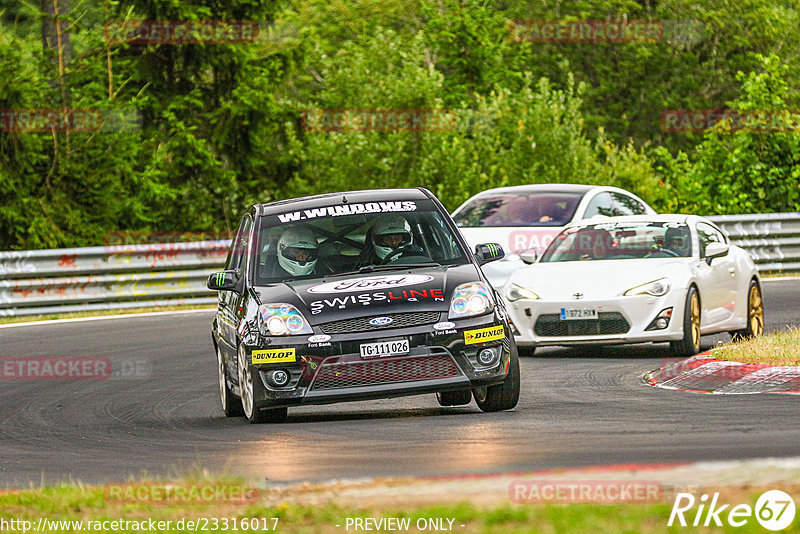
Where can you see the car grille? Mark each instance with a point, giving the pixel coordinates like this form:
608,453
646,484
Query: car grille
361,324
385,371
551,325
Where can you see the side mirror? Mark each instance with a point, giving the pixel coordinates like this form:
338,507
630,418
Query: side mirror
223,280
488,252
716,250
528,257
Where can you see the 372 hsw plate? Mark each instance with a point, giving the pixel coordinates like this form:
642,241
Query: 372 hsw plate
384,348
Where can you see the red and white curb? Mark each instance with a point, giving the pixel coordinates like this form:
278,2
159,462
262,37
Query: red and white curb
705,374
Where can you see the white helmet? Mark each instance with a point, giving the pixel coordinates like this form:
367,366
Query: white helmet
297,251
390,233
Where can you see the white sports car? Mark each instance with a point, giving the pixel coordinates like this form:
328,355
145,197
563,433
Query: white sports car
650,278
526,218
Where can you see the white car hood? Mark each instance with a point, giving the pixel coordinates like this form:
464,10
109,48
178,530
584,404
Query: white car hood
596,279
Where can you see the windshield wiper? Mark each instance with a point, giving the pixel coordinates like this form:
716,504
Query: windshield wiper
399,266
371,268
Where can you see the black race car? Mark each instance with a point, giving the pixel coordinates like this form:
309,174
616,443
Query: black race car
358,295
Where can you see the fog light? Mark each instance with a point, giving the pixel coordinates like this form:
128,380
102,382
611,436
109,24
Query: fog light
279,377
487,357
661,321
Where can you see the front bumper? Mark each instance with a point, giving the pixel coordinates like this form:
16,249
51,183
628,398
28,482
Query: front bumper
334,370
535,321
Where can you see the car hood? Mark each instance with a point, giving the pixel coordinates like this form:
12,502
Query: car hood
597,279
335,298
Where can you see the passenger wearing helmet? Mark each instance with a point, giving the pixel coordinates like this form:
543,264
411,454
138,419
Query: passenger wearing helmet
297,252
388,239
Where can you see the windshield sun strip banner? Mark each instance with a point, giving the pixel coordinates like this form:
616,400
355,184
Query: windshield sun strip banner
339,210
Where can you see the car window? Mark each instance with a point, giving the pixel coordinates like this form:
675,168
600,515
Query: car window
620,241
350,237
540,208
626,205
239,244
601,204
707,234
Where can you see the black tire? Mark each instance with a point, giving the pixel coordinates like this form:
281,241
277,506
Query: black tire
249,384
755,314
501,396
690,344
454,398
231,404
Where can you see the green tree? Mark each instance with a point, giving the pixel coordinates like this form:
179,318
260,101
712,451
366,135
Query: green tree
750,170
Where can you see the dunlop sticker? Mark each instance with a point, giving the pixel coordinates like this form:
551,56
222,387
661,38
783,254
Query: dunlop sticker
274,356
484,334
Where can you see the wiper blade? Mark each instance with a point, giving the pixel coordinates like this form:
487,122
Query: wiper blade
371,268
399,266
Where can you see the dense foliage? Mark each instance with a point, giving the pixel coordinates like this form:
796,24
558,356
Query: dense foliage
223,125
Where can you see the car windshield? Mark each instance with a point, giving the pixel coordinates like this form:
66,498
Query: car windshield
539,208
346,238
621,241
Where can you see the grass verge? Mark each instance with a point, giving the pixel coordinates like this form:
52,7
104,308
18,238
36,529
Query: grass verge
92,504
777,348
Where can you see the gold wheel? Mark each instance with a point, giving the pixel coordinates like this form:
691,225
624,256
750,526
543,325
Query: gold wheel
695,320
756,311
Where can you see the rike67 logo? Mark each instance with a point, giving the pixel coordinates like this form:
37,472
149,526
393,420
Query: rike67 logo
774,510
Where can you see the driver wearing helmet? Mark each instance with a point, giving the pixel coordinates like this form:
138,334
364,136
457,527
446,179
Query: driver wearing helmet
389,238
297,252
676,241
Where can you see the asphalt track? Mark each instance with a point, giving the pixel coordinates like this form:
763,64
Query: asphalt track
577,408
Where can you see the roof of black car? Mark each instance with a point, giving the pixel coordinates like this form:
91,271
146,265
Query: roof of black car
349,197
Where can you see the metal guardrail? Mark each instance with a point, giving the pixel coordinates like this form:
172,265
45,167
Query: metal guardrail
38,282
773,239
128,276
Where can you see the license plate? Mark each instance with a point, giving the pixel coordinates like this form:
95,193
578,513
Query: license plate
578,313
384,348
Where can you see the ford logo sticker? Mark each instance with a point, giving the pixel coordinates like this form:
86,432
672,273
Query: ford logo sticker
380,321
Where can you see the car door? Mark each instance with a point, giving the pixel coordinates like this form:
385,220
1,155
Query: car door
230,301
717,280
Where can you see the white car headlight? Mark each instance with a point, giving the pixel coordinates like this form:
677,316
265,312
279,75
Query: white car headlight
656,288
517,292
281,320
472,298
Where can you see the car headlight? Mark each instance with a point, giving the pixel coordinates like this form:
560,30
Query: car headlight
470,299
656,288
516,292
281,320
